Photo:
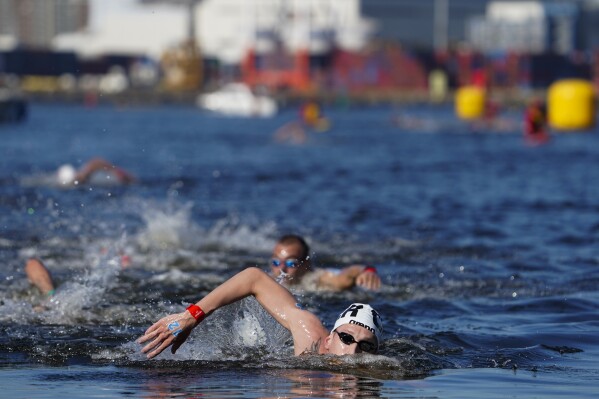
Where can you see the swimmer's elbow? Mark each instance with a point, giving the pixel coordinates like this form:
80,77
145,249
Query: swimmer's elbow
256,277
254,272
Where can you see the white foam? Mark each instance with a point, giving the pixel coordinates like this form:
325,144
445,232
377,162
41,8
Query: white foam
171,225
172,276
78,299
231,233
249,331
169,228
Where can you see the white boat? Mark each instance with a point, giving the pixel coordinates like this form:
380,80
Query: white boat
237,99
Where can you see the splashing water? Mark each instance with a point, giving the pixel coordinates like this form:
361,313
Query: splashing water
169,228
78,300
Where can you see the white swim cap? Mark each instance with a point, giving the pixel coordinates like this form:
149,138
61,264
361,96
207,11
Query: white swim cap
362,315
66,174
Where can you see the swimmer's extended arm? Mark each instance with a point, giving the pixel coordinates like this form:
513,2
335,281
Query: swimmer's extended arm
39,276
304,326
351,276
99,164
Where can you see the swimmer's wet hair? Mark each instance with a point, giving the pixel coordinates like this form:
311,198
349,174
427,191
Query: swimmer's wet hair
290,239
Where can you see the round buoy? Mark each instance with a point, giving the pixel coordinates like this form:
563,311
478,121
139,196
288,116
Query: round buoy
571,105
470,102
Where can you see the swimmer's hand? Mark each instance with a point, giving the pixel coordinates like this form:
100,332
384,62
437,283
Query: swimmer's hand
170,330
369,279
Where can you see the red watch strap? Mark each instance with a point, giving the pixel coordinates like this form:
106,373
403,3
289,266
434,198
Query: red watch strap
196,312
370,269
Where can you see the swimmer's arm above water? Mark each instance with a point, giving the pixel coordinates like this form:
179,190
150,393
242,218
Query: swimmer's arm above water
174,329
354,275
99,164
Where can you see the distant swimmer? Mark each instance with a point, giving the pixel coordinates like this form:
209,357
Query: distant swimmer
535,123
40,277
291,265
310,118
358,329
67,175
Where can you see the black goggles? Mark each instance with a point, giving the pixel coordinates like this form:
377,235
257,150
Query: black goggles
365,346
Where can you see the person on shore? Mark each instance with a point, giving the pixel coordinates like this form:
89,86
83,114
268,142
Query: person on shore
358,329
291,265
67,175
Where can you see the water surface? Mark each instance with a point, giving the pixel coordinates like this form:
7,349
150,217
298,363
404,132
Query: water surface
487,249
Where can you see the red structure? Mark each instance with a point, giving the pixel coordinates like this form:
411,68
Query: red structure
386,68
277,71
391,67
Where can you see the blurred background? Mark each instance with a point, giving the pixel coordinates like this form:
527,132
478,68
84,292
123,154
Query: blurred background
376,51
487,244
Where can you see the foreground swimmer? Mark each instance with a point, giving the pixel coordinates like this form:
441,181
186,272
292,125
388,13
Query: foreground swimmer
291,265
358,328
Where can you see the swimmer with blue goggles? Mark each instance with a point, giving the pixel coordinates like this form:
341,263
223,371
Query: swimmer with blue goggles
290,262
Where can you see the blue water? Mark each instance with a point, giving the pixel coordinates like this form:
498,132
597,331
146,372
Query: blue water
487,248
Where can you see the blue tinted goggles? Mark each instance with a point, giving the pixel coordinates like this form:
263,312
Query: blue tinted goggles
287,262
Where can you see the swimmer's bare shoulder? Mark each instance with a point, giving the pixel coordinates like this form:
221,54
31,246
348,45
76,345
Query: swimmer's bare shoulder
307,331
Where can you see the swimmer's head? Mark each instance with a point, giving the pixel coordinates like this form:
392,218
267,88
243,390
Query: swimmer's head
290,259
66,174
362,315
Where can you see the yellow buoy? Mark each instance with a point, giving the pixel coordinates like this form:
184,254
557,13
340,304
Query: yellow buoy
571,105
470,102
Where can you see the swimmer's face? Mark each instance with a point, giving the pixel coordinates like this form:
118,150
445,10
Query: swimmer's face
349,338
290,260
